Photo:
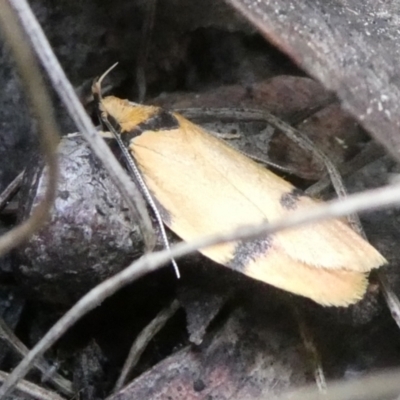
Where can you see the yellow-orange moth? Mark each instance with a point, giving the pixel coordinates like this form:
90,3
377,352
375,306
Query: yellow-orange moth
203,186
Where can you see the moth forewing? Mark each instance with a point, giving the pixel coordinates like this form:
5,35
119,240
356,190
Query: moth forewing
204,187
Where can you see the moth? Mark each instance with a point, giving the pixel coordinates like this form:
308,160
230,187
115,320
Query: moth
203,186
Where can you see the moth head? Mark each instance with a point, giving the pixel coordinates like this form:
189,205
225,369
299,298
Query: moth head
118,112
96,87
110,107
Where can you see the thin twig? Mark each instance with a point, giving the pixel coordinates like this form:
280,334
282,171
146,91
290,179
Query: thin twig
370,153
308,342
391,298
67,95
211,113
47,127
62,384
300,116
32,390
143,339
368,200
10,190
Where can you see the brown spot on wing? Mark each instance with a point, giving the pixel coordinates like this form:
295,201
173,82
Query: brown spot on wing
247,251
289,200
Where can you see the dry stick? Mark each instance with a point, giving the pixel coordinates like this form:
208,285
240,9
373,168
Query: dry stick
10,190
371,152
12,340
47,127
391,298
369,200
143,339
300,116
311,349
67,95
33,390
208,113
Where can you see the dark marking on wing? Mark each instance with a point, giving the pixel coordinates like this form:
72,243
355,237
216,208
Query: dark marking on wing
289,200
161,121
249,250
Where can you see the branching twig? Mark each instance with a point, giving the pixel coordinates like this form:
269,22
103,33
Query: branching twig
372,151
311,348
62,384
368,200
32,390
391,298
47,127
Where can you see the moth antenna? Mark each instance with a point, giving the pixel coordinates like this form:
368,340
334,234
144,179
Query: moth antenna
146,193
96,87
